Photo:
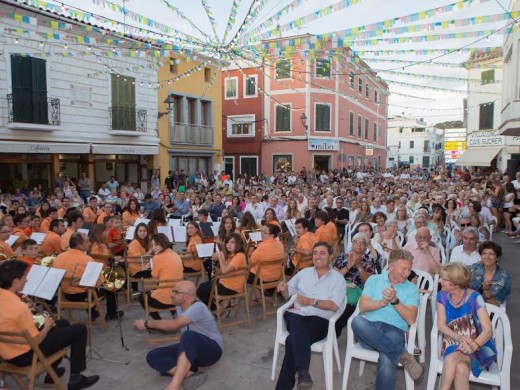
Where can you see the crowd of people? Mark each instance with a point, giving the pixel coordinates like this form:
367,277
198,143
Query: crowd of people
352,237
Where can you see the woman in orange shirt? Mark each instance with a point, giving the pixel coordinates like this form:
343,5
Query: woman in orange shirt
230,260
167,265
131,213
227,227
269,249
140,246
190,259
99,248
270,217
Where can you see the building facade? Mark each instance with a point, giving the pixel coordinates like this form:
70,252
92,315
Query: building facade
69,106
411,142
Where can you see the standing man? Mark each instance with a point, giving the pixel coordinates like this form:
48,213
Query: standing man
200,344
388,305
112,184
340,217
320,293
84,186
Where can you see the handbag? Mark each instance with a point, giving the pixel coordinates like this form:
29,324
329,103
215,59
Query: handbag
353,293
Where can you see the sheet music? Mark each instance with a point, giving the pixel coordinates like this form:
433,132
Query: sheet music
205,250
38,237
179,234
290,226
141,220
166,230
47,288
12,239
34,278
130,233
84,231
174,222
91,274
255,236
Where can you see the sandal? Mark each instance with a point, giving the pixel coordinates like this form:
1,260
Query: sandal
417,352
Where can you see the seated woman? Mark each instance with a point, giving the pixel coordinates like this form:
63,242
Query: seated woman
483,233
389,240
190,259
131,213
226,228
269,249
139,246
99,249
158,219
379,218
464,322
229,260
270,217
167,265
487,277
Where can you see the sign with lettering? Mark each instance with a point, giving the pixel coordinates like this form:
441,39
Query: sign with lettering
323,144
485,138
369,150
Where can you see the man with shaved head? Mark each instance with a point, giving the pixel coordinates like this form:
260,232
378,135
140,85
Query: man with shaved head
200,343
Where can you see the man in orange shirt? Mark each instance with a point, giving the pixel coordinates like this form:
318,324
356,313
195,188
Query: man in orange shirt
322,232
52,243
21,221
54,336
74,260
46,222
92,211
65,205
75,222
303,244
107,212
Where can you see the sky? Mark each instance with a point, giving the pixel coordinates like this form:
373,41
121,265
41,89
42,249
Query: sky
412,100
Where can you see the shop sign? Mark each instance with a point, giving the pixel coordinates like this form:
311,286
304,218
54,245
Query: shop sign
323,144
485,138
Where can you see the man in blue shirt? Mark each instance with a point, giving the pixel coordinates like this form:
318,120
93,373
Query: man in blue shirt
149,205
388,305
215,209
181,207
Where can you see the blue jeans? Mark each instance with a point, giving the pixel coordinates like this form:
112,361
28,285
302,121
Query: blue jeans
200,350
386,339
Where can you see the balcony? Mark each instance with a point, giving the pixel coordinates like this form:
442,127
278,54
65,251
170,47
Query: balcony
33,109
127,119
182,133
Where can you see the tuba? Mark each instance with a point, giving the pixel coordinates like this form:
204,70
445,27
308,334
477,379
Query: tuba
115,278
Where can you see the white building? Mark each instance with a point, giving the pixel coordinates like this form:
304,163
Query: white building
485,146
411,141
74,98
509,124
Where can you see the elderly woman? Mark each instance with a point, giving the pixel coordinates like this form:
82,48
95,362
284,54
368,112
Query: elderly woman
389,240
463,320
356,266
487,277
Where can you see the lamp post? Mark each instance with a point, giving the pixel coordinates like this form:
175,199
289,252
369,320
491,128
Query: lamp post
303,118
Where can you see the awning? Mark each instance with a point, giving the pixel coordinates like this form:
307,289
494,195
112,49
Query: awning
43,147
125,149
511,127
478,157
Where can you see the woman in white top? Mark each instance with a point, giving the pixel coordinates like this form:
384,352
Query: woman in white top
509,202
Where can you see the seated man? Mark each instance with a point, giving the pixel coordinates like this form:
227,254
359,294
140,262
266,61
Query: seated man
321,292
426,256
200,343
467,252
388,305
15,316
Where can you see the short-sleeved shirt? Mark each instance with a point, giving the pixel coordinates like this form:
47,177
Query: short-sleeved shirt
203,321
407,293
305,242
237,283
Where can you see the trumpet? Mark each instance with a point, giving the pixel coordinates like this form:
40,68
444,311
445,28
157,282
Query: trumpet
115,278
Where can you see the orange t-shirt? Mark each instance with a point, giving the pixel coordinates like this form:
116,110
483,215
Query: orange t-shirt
61,213
28,261
103,215
237,283
100,250
45,225
65,238
135,249
73,260
323,234
194,262
14,317
5,249
166,265
51,244
90,215
305,242
129,219
18,232
268,250
333,233
114,236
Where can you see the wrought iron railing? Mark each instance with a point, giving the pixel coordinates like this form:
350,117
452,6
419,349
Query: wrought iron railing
127,118
182,133
33,108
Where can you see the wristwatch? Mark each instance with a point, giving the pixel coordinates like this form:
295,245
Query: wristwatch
146,325
315,304
396,302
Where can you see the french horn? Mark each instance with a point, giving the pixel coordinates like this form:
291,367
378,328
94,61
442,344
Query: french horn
115,278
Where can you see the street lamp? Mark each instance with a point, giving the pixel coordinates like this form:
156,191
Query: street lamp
169,102
303,118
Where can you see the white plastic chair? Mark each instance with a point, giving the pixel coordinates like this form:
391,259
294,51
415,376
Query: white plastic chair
355,350
326,347
498,374
424,282
401,238
442,253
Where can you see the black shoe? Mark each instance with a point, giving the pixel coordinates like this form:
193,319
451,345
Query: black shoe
304,381
114,316
59,371
94,315
83,382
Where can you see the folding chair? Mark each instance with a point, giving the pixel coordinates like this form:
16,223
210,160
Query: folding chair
144,263
259,283
91,302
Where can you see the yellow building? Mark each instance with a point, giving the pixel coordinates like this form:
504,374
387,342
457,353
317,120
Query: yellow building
190,117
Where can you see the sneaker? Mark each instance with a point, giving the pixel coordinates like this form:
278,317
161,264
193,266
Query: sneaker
59,371
304,381
195,380
114,316
83,382
415,370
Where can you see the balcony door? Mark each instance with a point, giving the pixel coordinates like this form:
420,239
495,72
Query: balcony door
123,102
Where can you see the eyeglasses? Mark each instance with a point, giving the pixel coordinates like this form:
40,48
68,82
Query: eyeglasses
180,292
465,224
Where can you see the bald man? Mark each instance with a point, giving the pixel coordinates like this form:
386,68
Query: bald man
200,343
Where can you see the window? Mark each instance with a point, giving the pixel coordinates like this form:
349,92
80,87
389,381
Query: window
351,79
351,132
249,165
399,144
367,91
487,111
192,113
283,118
375,131
412,144
123,102
282,162
359,126
376,96
487,77
207,75
231,84
205,113
360,85
351,161
426,147
29,89
283,70
322,117
366,128
410,159
241,125
400,130
323,68
250,83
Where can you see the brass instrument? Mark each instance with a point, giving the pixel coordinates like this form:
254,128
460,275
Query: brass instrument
38,315
115,278
48,261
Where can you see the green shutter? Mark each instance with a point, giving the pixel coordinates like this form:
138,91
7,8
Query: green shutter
123,102
39,89
322,117
283,119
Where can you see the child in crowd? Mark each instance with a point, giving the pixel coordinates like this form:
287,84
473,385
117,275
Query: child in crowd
29,252
115,237
34,226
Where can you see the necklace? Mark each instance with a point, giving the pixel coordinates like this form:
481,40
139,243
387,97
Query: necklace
461,299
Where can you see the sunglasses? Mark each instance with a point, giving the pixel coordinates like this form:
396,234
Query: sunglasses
465,224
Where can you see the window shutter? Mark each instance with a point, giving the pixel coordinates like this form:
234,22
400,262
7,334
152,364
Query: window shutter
21,81
322,117
39,89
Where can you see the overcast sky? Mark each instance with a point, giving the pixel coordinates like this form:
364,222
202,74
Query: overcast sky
363,13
